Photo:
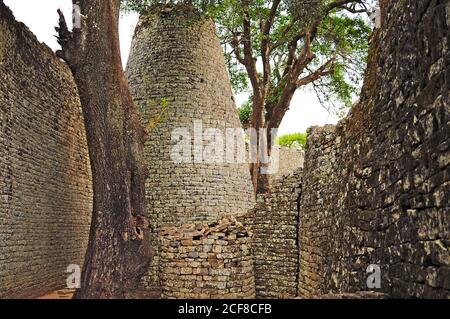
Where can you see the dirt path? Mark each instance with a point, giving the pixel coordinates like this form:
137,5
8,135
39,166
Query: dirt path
59,294
68,294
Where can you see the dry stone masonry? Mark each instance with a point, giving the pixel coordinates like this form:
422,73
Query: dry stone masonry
45,182
177,74
212,261
275,243
290,159
376,187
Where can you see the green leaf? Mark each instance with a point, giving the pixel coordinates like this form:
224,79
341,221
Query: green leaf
292,140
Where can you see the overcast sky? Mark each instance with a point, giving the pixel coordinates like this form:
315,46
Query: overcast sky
41,17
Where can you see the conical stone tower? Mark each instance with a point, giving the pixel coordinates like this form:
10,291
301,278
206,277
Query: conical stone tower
177,76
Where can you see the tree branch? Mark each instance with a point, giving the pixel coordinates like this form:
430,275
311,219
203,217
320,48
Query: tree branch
265,47
236,49
270,20
64,37
306,56
249,60
283,37
343,4
323,70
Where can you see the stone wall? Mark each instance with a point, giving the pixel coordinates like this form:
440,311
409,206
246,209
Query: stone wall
207,261
376,187
177,74
275,244
45,182
290,159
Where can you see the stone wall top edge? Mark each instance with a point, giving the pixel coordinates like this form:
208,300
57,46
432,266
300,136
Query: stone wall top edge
170,12
315,131
287,148
227,226
288,178
28,36
173,9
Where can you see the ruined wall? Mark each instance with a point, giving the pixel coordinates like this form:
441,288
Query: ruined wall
275,244
376,187
45,192
177,74
212,261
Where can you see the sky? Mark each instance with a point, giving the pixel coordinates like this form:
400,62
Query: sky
41,18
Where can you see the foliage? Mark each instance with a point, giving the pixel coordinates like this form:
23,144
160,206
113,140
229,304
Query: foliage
161,114
348,36
141,6
245,112
135,5
294,139
338,48
341,36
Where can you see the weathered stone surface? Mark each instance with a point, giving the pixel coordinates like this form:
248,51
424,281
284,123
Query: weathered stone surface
376,187
289,161
45,182
275,246
225,272
176,57
356,295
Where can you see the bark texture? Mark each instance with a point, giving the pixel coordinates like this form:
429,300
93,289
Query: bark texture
119,251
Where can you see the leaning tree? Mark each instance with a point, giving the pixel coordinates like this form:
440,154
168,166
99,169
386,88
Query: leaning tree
118,252
275,47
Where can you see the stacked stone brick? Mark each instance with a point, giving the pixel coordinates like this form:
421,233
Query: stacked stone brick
316,219
177,74
355,295
45,181
376,188
212,261
290,159
275,245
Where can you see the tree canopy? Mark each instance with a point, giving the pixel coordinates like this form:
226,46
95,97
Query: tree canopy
339,44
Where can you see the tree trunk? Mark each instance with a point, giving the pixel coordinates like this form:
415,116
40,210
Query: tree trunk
267,116
260,181
119,251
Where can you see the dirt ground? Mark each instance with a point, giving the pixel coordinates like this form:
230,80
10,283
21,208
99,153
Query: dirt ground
68,294
59,294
